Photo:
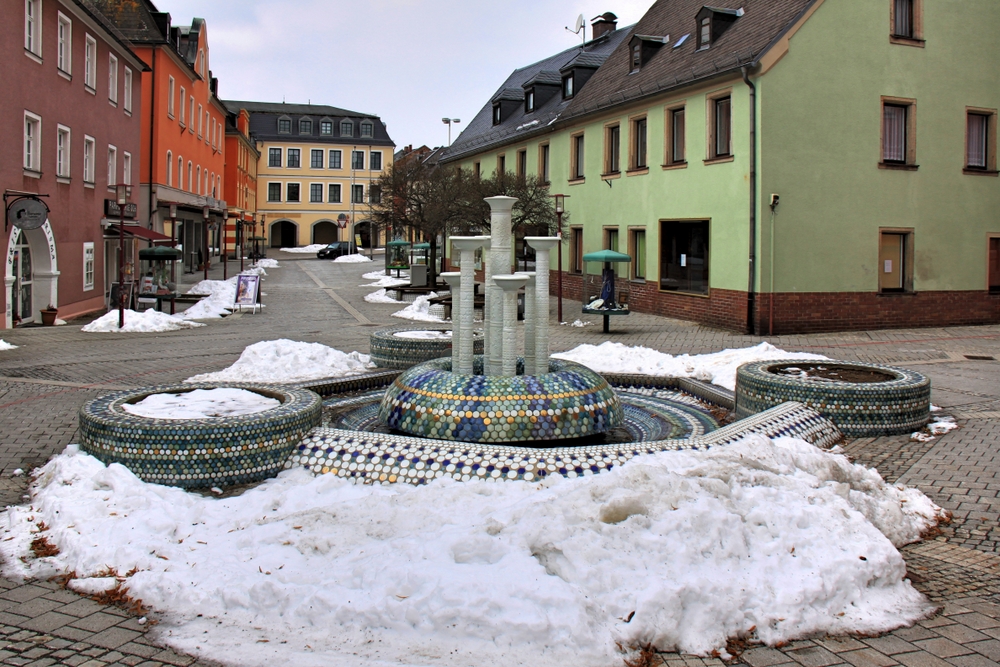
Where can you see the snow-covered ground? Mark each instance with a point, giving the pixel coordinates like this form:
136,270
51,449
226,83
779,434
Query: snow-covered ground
718,367
221,295
356,258
201,404
283,360
384,280
679,549
305,250
148,321
380,296
266,263
939,426
6,346
423,335
419,310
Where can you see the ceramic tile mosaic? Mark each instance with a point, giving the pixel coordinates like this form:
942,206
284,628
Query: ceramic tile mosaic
570,401
859,409
199,453
384,458
389,351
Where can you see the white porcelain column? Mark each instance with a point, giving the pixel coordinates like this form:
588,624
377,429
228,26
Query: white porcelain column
530,322
500,265
509,285
543,245
487,279
454,280
467,246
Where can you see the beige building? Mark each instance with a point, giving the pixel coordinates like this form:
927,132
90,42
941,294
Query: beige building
318,171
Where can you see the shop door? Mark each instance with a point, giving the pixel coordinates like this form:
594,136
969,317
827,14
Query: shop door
890,259
23,306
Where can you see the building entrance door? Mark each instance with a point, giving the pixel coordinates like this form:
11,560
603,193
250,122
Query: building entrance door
23,310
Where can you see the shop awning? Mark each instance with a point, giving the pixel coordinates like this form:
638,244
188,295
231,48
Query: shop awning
139,232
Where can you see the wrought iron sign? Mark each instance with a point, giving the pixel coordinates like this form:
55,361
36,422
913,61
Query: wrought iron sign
24,210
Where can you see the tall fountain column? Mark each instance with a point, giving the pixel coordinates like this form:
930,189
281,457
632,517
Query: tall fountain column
487,279
500,261
509,284
454,280
530,321
542,245
467,247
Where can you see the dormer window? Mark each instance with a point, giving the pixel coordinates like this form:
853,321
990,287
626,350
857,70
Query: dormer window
305,126
636,57
497,114
568,87
284,125
346,128
529,100
712,22
366,129
705,33
326,128
642,48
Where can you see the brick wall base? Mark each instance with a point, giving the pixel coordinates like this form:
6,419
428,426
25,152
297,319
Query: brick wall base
809,312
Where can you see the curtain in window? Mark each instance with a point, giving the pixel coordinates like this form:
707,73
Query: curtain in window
976,156
894,134
723,124
903,14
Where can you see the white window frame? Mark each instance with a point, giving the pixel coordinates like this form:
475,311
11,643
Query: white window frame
340,154
321,193
171,85
33,28
190,176
32,142
201,120
89,265
281,191
64,141
127,168
191,116
362,160
64,53
89,157
113,79
340,193
297,201
361,198
170,169
127,92
112,166
381,163
197,179
201,62
90,65
183,102
288,153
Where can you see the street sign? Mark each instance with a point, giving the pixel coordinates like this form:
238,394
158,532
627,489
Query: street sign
28,213
342,220
113,210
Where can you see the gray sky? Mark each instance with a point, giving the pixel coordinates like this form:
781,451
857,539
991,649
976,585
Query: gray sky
411,62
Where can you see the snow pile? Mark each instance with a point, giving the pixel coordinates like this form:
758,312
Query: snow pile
419,310
6,346
148,321
201,404
718,367
680,549
577,323
423,335
305,250
380,297
939,426
286,360
353,259
385,281
218,303
266,263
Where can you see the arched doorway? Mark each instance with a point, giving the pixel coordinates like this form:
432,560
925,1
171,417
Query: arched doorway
31,279
324,232
364,230
22,293
284,234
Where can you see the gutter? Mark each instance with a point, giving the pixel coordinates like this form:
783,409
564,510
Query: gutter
751,294
152,136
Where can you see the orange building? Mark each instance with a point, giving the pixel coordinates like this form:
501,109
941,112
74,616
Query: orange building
241,184
182,164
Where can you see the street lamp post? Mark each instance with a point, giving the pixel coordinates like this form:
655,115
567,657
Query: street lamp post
240,243
263,226
121,194
173,243
448,122
560,209
225,245
204,236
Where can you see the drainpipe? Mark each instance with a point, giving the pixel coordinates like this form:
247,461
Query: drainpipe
751,295
152,135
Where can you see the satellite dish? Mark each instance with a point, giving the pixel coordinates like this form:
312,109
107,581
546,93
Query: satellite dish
579,23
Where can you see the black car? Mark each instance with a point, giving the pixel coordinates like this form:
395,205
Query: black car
335,250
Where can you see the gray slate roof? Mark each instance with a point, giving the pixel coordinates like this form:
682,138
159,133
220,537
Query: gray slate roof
264,122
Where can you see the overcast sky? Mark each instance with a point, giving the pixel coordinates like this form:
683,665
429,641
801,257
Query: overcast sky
411,62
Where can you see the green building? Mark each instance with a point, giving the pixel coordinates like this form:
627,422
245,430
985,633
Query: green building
772,166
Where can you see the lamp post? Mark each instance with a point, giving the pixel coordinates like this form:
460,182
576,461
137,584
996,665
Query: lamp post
560,209
448,122
263,226
225,245
204,236
121,195
240,243
173,243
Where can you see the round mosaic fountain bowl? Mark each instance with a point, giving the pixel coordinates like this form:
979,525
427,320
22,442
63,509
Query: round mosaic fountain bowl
391,351
199,453
570,401
891,401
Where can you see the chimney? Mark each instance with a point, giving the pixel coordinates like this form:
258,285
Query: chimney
603,24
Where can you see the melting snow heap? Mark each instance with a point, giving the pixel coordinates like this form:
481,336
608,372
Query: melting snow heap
499,396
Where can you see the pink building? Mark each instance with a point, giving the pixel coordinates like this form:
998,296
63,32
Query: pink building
69,131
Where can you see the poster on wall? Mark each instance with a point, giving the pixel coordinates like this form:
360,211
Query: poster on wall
246,290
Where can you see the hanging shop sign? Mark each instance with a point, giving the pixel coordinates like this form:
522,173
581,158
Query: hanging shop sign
113,210
26,212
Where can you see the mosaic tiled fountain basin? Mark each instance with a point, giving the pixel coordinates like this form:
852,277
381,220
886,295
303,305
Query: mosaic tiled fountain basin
401,347
199,453
863,400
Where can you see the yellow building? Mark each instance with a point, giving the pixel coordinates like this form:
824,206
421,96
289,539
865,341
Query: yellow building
318,171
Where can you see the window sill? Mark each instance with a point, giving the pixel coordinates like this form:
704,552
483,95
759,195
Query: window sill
907,41
898,167
64,74
674,165
31,173
638,281
128,112
34,56
611,174
696,295
577,181
113,103
90,89
637,172
720,160
88,184
980,172
65,180
897,293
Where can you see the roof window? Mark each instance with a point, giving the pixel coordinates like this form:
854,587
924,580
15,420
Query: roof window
713,22
642,48
284,125
305,126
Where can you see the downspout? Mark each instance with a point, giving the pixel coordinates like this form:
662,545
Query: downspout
152,135
751,294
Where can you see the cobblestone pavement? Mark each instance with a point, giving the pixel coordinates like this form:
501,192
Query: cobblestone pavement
56,369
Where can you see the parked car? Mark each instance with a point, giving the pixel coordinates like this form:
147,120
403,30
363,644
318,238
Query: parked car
336,249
